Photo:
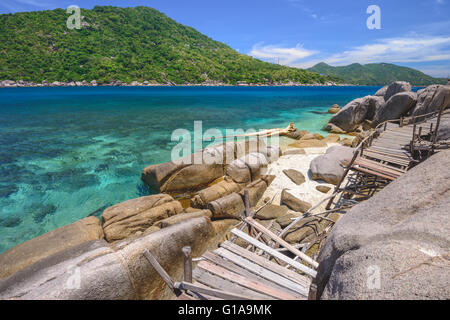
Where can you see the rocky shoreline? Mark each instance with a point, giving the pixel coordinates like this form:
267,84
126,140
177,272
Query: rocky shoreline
199,203
95,83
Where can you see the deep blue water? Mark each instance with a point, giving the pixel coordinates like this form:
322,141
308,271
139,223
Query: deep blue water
68,152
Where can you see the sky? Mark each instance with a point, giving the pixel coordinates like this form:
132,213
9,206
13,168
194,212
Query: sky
301,33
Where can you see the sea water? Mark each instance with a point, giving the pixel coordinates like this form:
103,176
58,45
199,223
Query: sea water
67,153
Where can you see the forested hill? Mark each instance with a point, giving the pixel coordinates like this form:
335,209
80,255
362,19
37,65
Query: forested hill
376,74
125,44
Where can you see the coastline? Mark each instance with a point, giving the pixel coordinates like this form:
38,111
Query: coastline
94,83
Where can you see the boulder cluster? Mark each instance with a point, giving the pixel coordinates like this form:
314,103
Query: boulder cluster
389,103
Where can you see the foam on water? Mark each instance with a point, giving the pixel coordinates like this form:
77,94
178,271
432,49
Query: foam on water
68,152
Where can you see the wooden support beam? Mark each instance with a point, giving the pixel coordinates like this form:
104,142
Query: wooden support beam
274,253
160,270
281,242
187,257
211,292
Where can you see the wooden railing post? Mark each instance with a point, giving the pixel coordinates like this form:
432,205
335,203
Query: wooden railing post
187,264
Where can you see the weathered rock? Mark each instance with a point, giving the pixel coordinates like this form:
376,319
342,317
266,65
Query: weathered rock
256,190
293,152
431,99
229,206
334,109
247,168
318,136
297,134
395,88
352,115
329,167
333,128
375,103
308,144
271,211
347,142
308,136
180,218
397,106
402,232
31,251
444,130
381,92
296,176
214,192
301,230
294,203
129,217
332,138
118,273
286,219
323,189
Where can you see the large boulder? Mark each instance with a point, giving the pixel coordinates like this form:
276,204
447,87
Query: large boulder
397,106
136,215
396,87
228,207
330,166
431,99
255,190
31,251
97,271
394,245
352,115
355,112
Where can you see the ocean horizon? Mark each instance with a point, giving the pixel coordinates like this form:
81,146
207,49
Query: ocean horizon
67,153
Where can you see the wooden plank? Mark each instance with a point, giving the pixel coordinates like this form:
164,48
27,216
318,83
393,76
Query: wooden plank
185,296
268,274
225,285
386,158
376,164
162,273
212,292
281,242
269,265
246,273
373,173
390,154
390,150
202,296
245,282
274,253
377,169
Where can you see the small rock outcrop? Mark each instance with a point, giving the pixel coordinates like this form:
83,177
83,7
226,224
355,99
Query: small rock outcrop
294,203
64,238
296,176
396,244
136,215
330,166
334,109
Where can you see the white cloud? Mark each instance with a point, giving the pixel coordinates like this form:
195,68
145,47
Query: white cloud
286,56
418,49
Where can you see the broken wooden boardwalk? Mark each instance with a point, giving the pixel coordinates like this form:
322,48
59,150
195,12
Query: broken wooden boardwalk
390,151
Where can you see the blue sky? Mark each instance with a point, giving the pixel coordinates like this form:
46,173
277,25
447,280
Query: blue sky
301,33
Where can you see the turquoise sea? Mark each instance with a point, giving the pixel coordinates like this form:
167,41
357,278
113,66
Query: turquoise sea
66,153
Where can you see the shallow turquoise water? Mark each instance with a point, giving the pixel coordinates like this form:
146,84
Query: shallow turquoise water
68,152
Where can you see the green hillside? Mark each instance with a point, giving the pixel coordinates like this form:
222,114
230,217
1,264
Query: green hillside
376,74
125,44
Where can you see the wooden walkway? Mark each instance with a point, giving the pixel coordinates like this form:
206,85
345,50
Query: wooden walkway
391,150
233,272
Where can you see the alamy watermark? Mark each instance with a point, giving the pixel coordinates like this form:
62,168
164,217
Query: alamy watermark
374,20
74,20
